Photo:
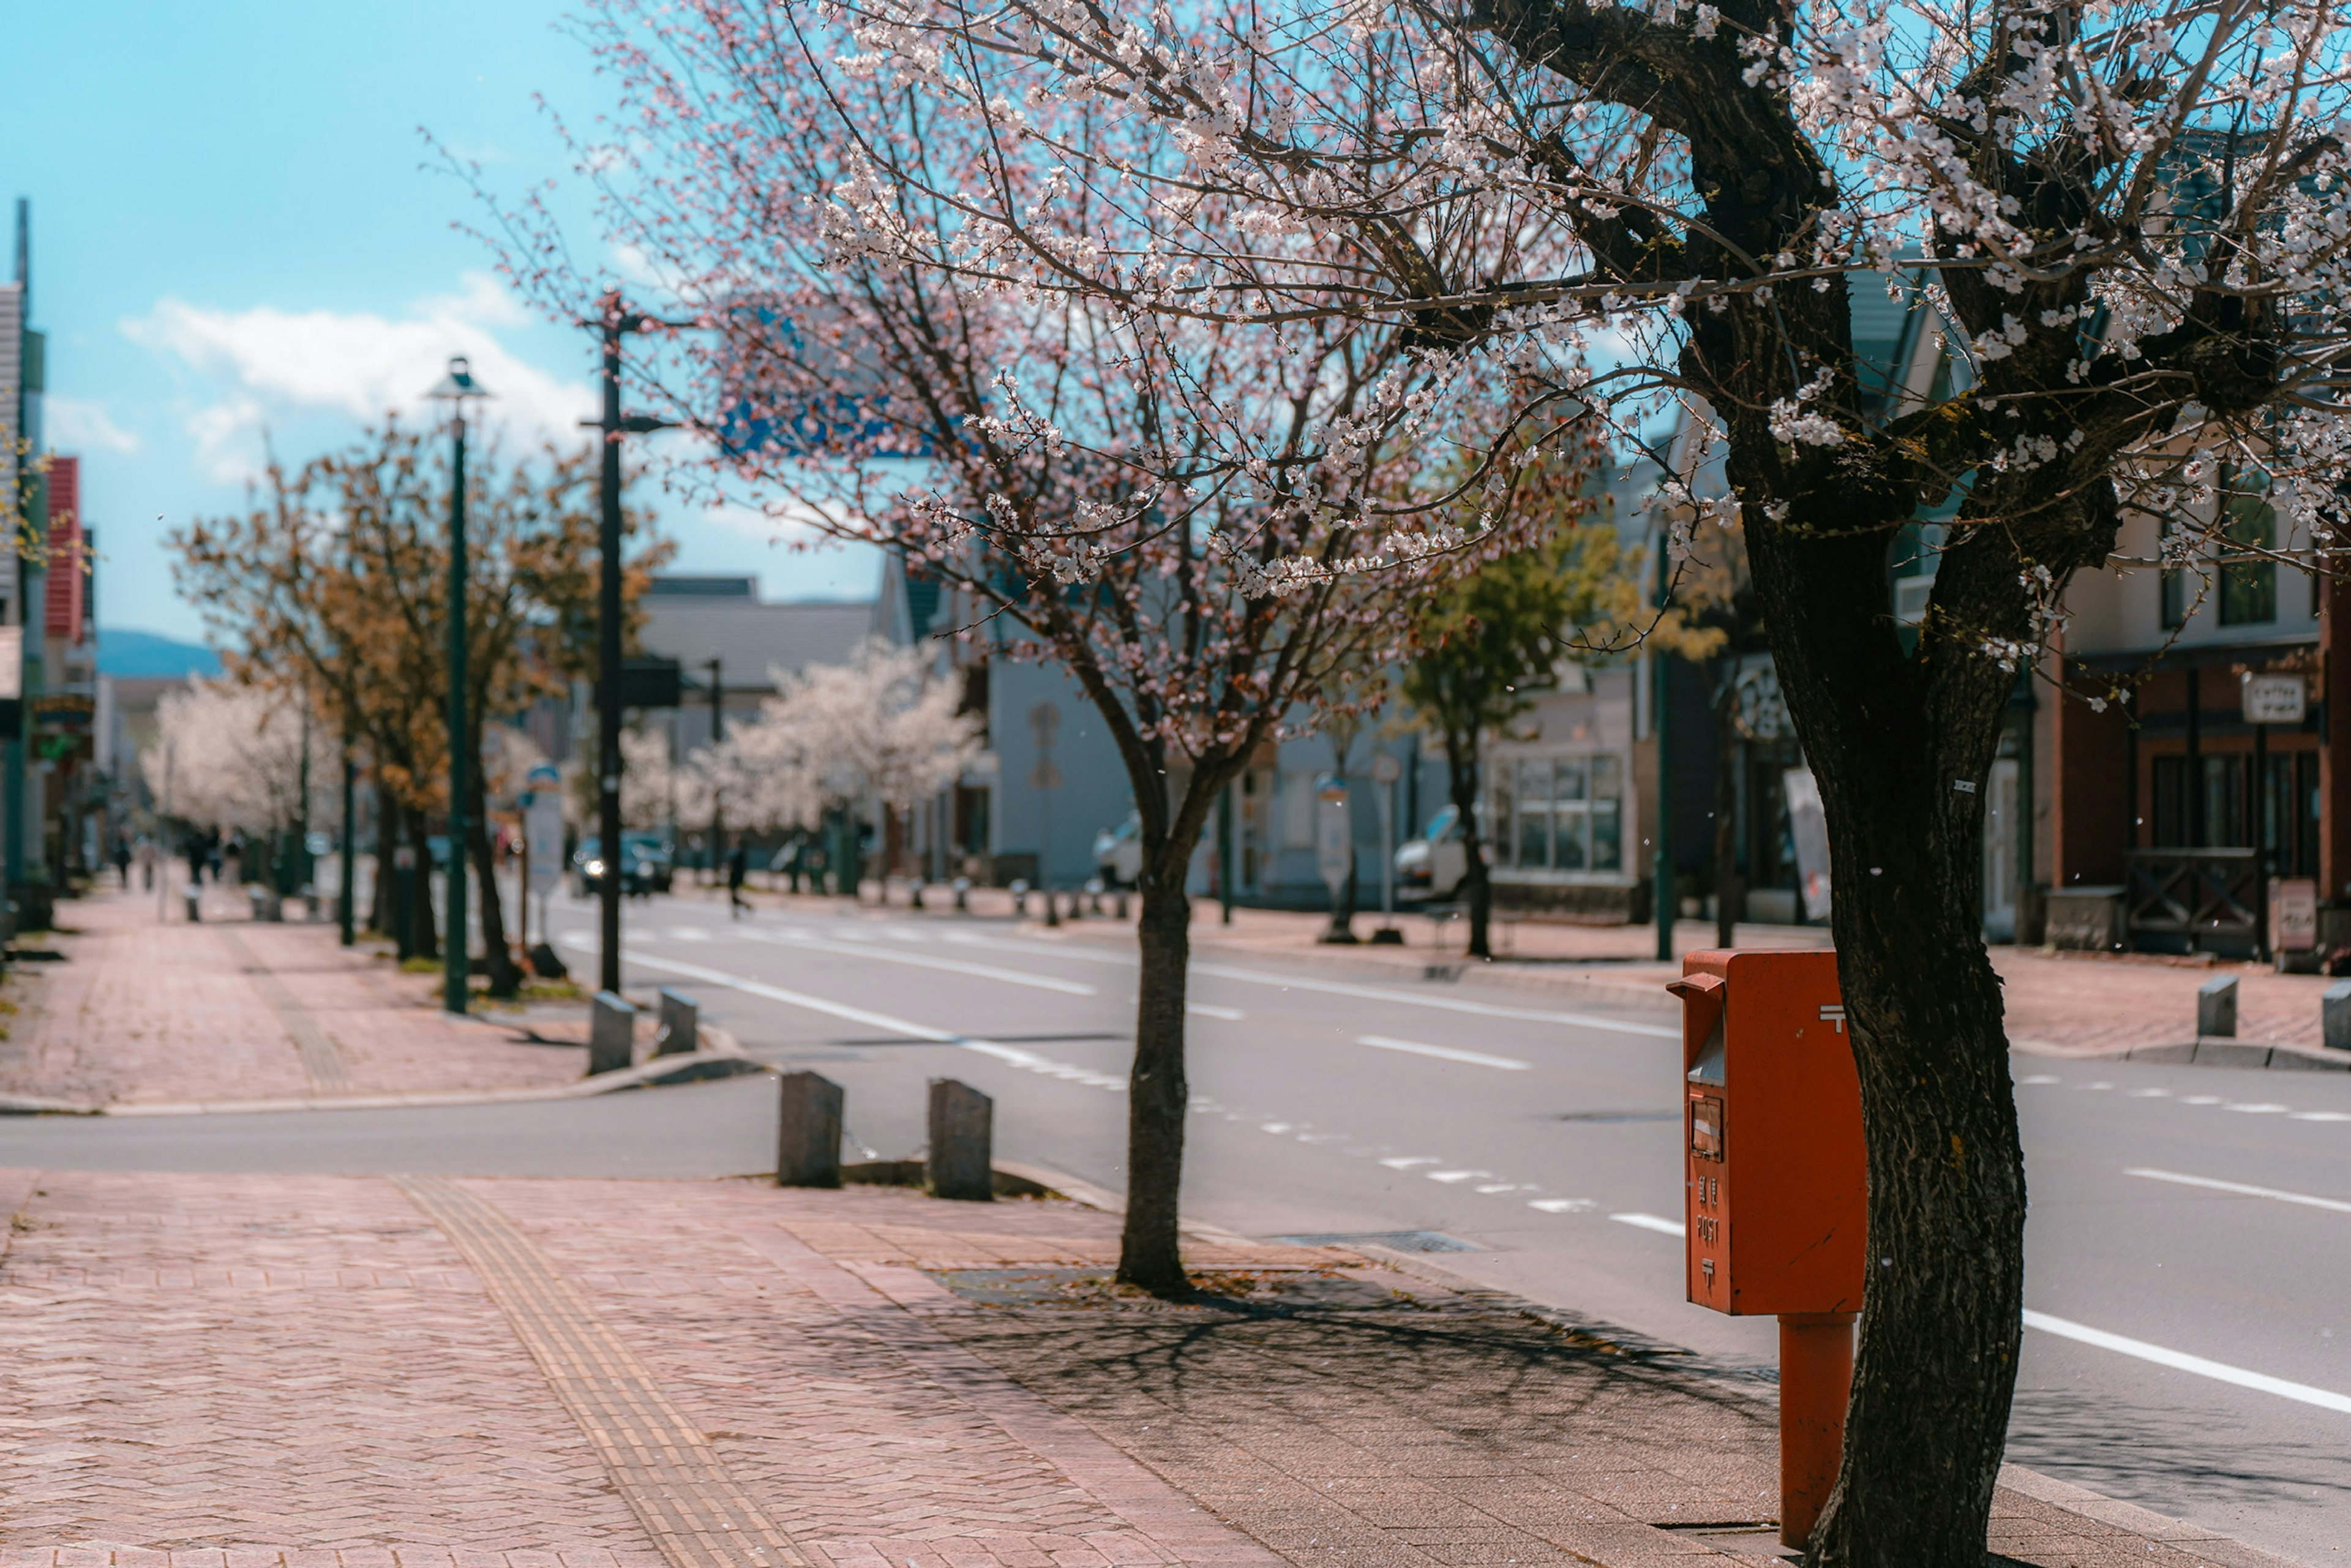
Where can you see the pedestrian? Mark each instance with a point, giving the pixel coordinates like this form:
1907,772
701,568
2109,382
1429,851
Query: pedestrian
738,863
122,857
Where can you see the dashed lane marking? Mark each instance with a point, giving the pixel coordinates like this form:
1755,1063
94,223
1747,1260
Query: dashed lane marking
1656,1222
2180,1361
926,961
1443,1053
661,1462
2242,1189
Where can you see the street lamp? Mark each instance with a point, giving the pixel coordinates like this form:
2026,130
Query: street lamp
616,322
455,389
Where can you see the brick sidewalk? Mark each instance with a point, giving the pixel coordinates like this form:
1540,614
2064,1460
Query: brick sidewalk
150,1010
244,1372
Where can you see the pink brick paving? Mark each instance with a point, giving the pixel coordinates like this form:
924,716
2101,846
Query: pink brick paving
143,1011
247,1371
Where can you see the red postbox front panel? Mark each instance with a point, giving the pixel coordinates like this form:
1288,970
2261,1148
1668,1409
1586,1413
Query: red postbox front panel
1775,1194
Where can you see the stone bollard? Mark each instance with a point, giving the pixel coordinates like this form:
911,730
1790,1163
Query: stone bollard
962,1159
2334,1017
611,1033
195,897
808,1130
2216,1008
681,1024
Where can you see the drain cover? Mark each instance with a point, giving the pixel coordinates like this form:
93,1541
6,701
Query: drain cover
1399,1240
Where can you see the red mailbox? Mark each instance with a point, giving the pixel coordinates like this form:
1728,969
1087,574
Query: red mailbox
1775,1191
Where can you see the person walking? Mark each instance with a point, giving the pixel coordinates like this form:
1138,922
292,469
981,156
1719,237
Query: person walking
122,857
738,863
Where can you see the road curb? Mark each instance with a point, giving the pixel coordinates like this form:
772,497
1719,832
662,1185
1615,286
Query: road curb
723,1059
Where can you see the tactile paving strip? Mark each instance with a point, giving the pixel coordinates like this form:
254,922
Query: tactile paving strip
694,1509
321,1058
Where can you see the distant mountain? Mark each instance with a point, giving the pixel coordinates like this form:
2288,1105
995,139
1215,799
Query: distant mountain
134,653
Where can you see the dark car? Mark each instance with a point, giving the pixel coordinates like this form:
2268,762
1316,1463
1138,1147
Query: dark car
645,866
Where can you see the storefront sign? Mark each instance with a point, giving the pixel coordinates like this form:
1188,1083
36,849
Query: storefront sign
2274,699
2294,915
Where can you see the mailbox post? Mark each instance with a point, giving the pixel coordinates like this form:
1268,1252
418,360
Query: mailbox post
1776,1187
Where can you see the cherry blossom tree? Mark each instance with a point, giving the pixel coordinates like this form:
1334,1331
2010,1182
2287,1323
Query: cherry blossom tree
2127,218
1215,531
232,756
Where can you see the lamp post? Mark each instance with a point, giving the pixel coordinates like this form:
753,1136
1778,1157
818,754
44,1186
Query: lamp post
616,322
455,389
1661,838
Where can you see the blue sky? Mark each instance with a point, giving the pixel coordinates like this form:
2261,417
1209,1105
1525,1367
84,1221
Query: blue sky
235,232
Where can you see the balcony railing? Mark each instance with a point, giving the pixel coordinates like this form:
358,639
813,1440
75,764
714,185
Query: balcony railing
2183,900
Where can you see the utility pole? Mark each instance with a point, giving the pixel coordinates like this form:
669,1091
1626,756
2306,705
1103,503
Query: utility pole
1661,835
456,985
717,806
615,323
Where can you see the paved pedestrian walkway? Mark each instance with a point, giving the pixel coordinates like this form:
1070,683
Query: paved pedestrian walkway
146,1011
247,1371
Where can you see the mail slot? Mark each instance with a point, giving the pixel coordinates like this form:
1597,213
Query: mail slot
1775,1185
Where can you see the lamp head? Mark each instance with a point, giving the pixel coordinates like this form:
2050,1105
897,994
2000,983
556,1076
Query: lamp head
459,383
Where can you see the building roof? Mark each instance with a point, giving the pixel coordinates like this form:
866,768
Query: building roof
748,637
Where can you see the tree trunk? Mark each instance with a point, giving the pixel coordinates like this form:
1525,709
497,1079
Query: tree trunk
505,979
423,941
387,832
1901,746
1461,776
1157,1096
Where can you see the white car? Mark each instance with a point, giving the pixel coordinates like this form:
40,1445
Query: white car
1118,852
1430,867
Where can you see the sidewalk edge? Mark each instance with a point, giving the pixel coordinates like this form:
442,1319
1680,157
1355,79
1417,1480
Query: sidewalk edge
2141,1521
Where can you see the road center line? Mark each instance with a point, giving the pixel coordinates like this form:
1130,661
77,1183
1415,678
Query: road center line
1340,988
2337,1204
2180,1361
923,961
1443,1053
1657,1223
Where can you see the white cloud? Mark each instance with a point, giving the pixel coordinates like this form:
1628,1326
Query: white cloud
82,423
265,363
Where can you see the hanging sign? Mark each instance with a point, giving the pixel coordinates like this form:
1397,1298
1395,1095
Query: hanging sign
2275,699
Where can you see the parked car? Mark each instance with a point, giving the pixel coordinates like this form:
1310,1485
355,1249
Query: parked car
645,866
1118,852
1429,869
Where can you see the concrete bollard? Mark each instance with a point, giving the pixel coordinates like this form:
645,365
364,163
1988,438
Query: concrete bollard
681,1024
808,1130
2216,1008
962,1159
2334,1017
611,1033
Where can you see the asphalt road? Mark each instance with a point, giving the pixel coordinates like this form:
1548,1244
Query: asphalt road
2189,1346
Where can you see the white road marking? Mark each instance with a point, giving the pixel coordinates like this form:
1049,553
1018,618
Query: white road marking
1444,1052
2150,1094
923,961
2199,1098
1275,1127
1454,1175
690,933
1498,1186
2267,1108
1562,1205
1021,1058
2322,1116
1657,1223
2335,1204
2040,1078
1340,988
1230,1015
1406,1161
2180,1361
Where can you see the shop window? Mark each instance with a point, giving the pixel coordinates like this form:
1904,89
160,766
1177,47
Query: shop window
2249,588
1560,813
